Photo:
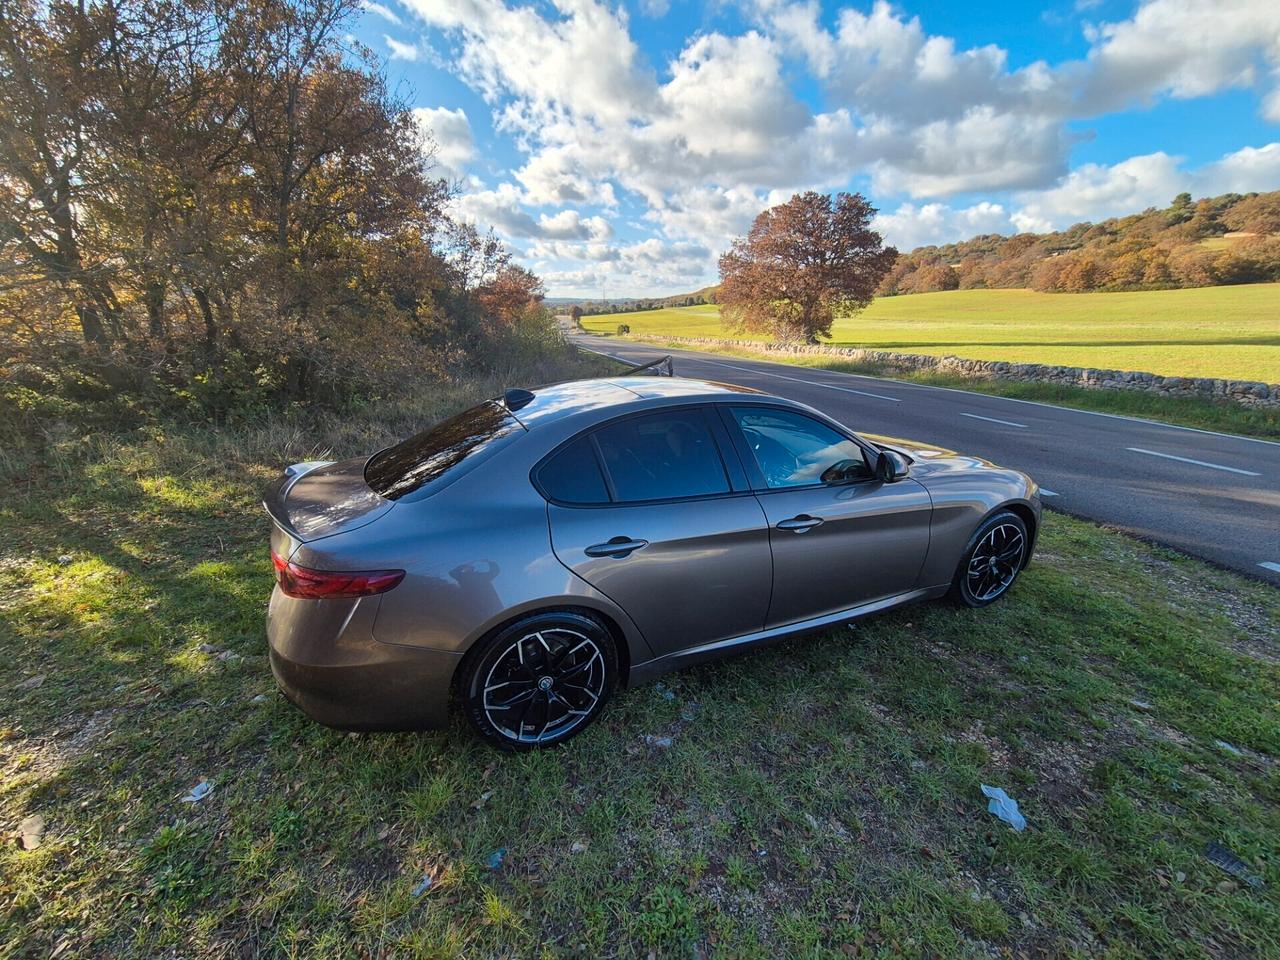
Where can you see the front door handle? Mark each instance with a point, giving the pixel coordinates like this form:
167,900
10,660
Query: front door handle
619,548
800,524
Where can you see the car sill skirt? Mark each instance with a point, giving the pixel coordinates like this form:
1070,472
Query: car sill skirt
649,670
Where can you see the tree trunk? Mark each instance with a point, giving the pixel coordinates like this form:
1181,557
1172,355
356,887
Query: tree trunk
155,308
210,324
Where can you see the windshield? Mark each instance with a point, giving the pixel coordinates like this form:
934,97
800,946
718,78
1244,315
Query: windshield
426,459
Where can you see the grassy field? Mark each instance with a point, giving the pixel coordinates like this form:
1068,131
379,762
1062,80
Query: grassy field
819,799
1228,332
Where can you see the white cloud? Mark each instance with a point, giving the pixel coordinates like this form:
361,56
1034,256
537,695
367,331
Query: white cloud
1185,49
450,133
912,225
706,140
401,51
655,8
1248,170
386,13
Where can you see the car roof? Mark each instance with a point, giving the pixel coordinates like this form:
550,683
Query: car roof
561,400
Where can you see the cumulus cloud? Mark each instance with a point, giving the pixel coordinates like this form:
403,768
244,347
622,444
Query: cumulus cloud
449,133
917,225
706,140
1185,49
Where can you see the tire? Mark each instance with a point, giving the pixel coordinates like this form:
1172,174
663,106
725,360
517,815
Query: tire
992,560
540,680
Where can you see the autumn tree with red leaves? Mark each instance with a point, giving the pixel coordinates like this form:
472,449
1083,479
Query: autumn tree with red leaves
803,262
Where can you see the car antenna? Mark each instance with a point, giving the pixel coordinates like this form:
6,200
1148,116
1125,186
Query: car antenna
655,366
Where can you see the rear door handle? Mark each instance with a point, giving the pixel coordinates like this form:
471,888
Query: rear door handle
619,548
800,524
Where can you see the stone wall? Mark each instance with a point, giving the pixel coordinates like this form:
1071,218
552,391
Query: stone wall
1247,392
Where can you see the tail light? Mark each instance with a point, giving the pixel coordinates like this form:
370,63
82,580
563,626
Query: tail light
307,584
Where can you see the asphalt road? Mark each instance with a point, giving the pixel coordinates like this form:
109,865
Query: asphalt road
1212,495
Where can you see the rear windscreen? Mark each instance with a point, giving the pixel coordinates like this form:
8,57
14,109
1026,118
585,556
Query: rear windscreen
431,455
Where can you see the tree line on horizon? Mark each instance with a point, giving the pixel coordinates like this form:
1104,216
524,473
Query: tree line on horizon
219,205
1157,249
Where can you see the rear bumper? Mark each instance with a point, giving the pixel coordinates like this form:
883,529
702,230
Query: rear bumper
338,675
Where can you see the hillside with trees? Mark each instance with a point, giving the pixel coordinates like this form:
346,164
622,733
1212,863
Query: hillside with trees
1229,239
220,206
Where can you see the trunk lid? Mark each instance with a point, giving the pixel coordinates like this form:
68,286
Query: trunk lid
318,499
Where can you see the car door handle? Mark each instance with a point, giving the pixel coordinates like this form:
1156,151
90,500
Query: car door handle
619,548
800,524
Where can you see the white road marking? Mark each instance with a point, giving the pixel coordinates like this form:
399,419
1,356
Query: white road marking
1007,423
1198,463
1047,493
1270,566
812,383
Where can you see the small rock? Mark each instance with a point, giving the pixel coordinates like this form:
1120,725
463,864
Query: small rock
207,648
664,691
484,798
32,682
1141,705
660,742
65,559
32,831
1228,748
578,847
226,655
260,698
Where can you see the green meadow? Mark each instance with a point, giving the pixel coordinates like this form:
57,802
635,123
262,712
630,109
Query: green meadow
1228,332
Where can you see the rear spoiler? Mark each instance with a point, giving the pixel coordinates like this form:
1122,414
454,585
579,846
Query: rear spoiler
655,366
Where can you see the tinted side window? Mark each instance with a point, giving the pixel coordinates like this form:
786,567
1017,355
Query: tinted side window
415,463
573,475
793,450
662,456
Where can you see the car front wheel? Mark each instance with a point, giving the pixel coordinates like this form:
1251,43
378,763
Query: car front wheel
540,680
992,560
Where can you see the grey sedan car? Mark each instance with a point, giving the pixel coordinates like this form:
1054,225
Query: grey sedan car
530,556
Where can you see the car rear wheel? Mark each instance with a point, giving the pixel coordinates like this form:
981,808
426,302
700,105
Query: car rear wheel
540,680
992,560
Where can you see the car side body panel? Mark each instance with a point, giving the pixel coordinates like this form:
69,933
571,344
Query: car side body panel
704,574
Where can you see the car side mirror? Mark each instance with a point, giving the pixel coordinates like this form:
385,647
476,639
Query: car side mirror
892,466
843,471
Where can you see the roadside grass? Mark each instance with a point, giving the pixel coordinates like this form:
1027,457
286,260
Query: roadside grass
1223,415
819,798
1229,332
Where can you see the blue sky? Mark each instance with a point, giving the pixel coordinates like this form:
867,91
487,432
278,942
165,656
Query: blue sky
619,148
